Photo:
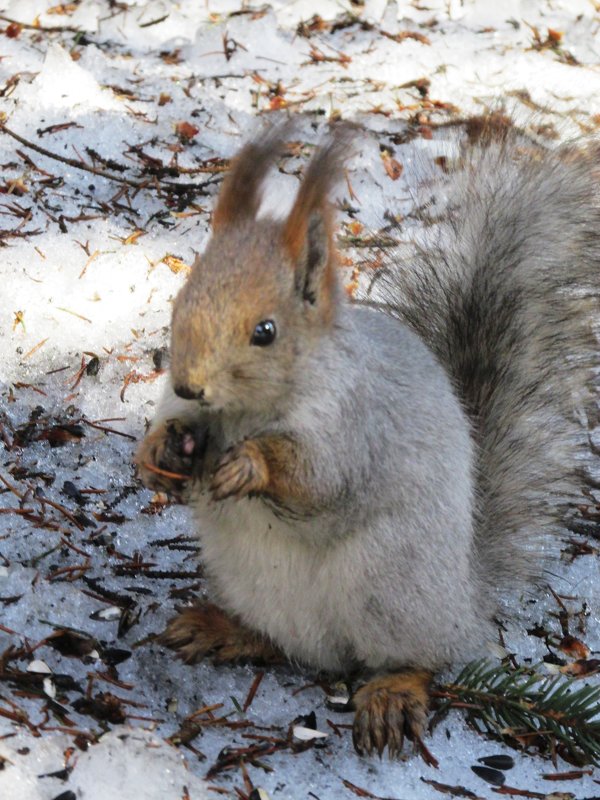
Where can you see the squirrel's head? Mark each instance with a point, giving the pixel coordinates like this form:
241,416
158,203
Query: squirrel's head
263,292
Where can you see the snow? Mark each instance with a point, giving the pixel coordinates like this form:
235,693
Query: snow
124,761
90,279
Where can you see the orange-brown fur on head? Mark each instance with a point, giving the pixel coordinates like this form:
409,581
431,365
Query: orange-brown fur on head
252,271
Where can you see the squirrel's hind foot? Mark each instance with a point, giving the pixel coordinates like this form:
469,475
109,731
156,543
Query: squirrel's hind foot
389,708
205,631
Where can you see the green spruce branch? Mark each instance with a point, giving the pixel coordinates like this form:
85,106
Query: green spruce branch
524,707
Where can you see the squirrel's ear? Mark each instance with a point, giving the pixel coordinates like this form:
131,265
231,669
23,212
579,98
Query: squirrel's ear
308,230
241,194
315,259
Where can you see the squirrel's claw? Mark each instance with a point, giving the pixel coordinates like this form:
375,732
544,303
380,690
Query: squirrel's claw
240,471
387,709
205,631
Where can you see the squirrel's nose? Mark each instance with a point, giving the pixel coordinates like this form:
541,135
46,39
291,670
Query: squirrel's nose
189,394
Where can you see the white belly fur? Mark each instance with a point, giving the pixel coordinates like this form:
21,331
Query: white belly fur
261,571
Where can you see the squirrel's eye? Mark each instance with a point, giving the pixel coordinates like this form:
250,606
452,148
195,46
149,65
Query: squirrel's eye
264,333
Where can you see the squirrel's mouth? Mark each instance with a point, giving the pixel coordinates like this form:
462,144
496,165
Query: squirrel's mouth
186,392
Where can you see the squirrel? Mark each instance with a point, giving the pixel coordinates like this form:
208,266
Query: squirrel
367,481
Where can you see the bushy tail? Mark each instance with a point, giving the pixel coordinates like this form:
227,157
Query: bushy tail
507,297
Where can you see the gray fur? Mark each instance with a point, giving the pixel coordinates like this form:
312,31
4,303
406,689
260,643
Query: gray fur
506,297
427,481
365,580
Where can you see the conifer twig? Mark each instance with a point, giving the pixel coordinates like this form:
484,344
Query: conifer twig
522,705
176,188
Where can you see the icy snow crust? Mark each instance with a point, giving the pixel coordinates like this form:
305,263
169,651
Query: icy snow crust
78,281
124,764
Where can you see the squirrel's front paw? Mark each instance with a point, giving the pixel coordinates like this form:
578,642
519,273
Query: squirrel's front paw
241,470
166,457
389,707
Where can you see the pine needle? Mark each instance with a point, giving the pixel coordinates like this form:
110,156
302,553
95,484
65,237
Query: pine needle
524,707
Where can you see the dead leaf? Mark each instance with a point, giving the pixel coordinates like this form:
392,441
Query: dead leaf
104,706
58,435
186,131
453,791
574,647
13,30
133,237
582,668
71,643
393,168
18,320
176,265
63,8
277,102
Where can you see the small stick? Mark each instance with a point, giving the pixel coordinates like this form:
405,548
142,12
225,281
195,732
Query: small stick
45,29
205,710
94,255
424,752
11,488
7,630
36,348
74,313
64,511
252,691
108,430
73,162
72,572
67,543
174,475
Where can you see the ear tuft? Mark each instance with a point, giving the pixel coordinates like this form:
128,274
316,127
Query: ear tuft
316,256
321,175
241,193
308,230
